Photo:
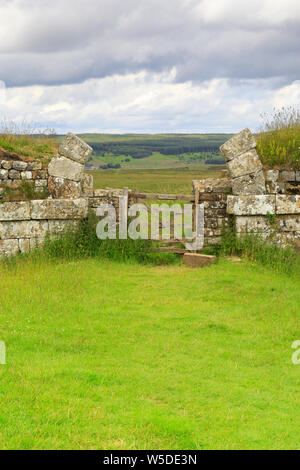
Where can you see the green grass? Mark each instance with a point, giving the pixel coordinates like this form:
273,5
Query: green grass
158,181
279,140
102,355
29,146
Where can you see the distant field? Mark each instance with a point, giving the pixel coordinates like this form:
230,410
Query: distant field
160,181
154,151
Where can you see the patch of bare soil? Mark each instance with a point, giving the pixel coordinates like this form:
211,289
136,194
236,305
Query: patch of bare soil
5,155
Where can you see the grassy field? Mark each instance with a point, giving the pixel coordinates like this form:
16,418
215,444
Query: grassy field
161,181
102,355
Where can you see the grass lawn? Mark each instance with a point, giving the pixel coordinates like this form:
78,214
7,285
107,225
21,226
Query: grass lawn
160,181
102,355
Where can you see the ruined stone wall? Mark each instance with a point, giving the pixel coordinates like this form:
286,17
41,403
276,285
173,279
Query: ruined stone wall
213,194
57,200
263,202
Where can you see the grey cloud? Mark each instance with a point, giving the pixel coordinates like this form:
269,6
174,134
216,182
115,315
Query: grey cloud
69,41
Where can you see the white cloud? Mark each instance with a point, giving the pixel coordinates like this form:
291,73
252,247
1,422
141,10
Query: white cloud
190,65
147,102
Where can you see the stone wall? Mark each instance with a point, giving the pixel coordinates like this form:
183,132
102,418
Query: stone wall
213,194
59,197
265,202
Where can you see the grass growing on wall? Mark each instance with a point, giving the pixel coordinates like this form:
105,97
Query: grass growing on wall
278,143
26,140
254,248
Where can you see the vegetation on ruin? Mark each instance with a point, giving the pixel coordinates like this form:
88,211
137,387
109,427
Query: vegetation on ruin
253,247
27,140
278,142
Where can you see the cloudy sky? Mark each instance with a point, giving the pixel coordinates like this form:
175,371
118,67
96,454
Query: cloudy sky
148,65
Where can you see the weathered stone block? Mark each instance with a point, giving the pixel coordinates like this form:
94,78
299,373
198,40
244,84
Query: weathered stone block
212,185
251,205
276,187
14,211
9,247
23,229
298,176
36,243
34,166
58,209
39,174
26,175
41,183
6,164
248,224
3,174
289,223
62,167
195,260
14,174
286,204
24,245
60,226
272,175
19,165
253,183
288,175
238,144
244,164
87,185
61,188
75,149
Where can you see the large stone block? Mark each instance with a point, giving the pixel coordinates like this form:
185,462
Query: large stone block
244,164
238,144
9,247
248,224
61,188
253,183
3,174
195,260
60,226
212,185
36,243
23,229
14,211
287,204
19,165
87,185
272,175
75,149
59,209
34,166
289,223
14,174
251,205
6,164
26,175
24,245
63,167
288,175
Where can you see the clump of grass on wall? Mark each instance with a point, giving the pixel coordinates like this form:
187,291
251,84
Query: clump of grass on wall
27,139
278,141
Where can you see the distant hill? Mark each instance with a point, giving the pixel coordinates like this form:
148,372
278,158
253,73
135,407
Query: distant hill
143,145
